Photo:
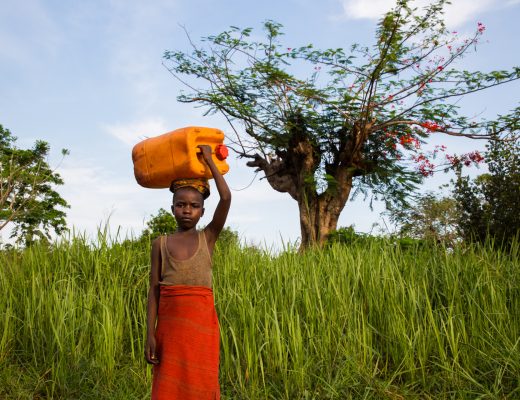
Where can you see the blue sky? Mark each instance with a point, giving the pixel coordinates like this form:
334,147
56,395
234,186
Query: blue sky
87,76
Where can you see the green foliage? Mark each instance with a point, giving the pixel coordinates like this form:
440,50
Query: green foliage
347,235
162,223
364,321
430,218
228,238
27,197
489,205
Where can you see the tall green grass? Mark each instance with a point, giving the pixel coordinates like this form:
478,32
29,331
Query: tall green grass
364,321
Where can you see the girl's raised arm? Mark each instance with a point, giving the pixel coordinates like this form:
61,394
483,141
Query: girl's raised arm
221,212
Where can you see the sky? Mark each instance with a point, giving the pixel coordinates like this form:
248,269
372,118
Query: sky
88,76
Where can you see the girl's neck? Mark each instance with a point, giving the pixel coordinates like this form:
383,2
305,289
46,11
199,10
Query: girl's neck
185,231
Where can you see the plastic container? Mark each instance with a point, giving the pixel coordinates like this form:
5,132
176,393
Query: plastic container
162,159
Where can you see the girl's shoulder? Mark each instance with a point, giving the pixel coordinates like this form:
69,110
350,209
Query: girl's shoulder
158,241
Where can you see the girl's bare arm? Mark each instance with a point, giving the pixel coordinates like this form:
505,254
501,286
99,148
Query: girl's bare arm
153,302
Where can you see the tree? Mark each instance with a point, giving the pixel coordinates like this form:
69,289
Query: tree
488,205
357,123
227,238
430,218
162,223
27,197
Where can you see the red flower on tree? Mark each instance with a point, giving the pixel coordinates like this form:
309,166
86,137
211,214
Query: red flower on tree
467,159
426,167
431,126
409,139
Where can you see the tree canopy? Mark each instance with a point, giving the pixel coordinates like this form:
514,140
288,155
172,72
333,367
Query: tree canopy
489,205
162,223
359,119
430,218
27,196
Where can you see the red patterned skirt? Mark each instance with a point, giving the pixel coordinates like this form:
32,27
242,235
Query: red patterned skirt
187,337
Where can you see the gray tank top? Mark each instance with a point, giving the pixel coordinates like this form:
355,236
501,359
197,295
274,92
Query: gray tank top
194,271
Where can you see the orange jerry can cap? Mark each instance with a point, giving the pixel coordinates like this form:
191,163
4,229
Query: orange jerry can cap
221,151
175,155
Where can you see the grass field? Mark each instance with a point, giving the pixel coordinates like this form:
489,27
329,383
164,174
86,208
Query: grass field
366,321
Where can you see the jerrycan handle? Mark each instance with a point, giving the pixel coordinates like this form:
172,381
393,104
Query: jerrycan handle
221,151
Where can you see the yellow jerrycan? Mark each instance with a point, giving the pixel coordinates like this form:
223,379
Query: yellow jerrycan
162,159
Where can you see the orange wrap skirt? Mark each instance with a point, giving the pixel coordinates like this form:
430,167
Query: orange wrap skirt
187,336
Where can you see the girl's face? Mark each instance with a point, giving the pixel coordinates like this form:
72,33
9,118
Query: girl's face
187,208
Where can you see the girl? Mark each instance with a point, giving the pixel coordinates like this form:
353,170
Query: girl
183,333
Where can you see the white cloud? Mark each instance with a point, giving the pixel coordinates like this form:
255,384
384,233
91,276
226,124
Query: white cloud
456,13
133,132
370,9
461,11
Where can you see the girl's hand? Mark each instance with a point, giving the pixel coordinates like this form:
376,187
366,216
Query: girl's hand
149,351
206,152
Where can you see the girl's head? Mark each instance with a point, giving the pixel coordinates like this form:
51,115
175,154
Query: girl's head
188,201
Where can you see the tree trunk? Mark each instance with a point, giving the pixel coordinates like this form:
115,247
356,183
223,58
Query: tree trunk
319,215
292,172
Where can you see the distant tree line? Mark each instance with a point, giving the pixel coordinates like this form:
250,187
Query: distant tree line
480,209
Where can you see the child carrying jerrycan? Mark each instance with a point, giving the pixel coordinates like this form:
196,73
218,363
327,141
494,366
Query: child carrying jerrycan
182,327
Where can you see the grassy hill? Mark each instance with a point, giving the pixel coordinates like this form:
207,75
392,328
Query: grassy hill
367,320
